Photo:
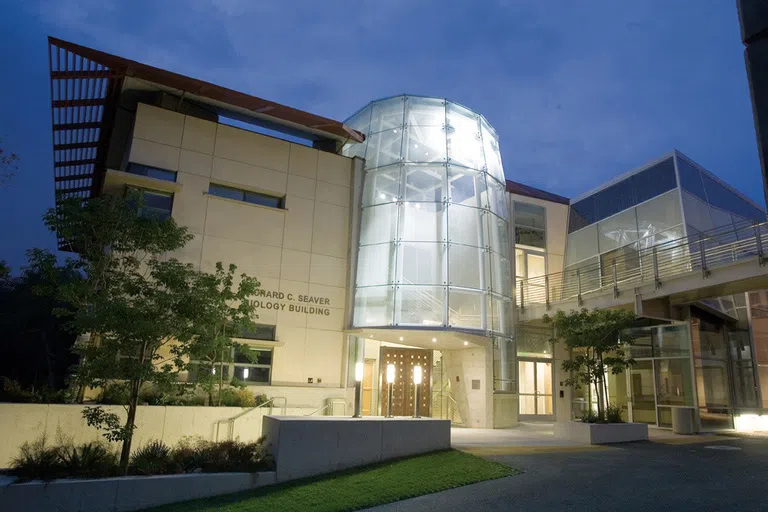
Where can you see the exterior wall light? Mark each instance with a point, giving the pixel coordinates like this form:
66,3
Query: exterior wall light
245,373
358,390
417,376
390,381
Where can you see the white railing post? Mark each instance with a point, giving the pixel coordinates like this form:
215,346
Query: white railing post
546,290
522,297
578,286
704,269
759,244
656,280
615,281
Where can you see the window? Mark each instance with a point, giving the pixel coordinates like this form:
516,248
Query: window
151,172
246,196
246,362
155,205
530,225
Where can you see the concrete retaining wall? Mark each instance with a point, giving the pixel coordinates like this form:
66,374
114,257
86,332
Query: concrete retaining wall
21,423
311,446
126,493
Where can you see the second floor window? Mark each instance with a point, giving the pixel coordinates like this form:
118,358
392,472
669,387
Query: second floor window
530,225
151,172
246,196
157,205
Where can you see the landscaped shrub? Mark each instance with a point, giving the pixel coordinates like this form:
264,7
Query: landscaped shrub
13,392
113,394
154,458
237,397
39,461
613,414
172,394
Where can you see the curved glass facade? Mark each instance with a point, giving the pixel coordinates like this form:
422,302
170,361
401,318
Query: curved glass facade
434,243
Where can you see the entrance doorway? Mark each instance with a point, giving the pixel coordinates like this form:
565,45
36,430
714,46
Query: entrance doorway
535,377
368,406
403,389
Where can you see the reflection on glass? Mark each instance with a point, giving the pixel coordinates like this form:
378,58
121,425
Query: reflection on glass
642,390
434,227
673,382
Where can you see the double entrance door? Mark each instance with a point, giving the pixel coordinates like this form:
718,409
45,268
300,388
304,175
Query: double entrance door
535,389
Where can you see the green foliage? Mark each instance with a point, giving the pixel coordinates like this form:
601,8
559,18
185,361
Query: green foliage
597,340
114,393
109,423
237,397
154,458
613,414
145,312
36,460
14,393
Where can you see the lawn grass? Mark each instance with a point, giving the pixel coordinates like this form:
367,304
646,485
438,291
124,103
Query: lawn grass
360,488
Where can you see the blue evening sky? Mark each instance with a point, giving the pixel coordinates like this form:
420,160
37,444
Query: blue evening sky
579,92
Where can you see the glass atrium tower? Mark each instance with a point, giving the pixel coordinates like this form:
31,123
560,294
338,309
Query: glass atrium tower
434,243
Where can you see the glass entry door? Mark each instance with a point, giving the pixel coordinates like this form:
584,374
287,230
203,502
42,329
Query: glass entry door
535,389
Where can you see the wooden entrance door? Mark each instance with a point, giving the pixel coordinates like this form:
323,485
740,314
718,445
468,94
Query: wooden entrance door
403,388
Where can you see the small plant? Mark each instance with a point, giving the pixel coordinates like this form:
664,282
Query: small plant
113,394
237,397
613,414
154,458
13,392
38,461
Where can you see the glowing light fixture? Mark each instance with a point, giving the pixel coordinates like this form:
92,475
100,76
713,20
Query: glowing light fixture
245,373
434,340
390,373
390,381
401,338
466,343
417,375
358,390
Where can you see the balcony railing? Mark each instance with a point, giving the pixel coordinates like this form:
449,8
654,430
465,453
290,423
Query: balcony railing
671,259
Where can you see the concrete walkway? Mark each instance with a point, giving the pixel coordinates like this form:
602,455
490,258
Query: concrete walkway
538,437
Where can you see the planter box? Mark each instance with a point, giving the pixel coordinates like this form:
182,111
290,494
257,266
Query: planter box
313,445
128,493
601,433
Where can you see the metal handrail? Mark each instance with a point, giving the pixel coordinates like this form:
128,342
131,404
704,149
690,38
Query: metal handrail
231,421
743,241
332,402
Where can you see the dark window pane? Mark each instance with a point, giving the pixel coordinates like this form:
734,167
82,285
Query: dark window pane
582,214
228,192
721,197
151,172
654,181
263,199
158,201
529,236
254,356
258,332
252,374
530,215
690,179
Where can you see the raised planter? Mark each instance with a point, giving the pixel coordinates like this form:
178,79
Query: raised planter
307,446
601,433
125,494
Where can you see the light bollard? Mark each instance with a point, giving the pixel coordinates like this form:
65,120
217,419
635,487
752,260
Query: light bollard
390,381
417,376
358,391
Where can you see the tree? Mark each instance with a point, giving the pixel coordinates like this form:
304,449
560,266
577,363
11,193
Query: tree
9,166
227,310
597,339
140,307
35,348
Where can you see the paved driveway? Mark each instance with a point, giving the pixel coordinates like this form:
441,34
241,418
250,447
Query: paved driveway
714,473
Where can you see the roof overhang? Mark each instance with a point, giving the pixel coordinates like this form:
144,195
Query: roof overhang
85,89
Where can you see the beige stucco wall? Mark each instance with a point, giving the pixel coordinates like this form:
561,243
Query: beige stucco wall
476,406
301,250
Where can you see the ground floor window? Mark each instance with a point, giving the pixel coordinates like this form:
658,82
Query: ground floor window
248,364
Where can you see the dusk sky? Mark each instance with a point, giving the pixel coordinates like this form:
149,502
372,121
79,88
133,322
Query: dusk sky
578,92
